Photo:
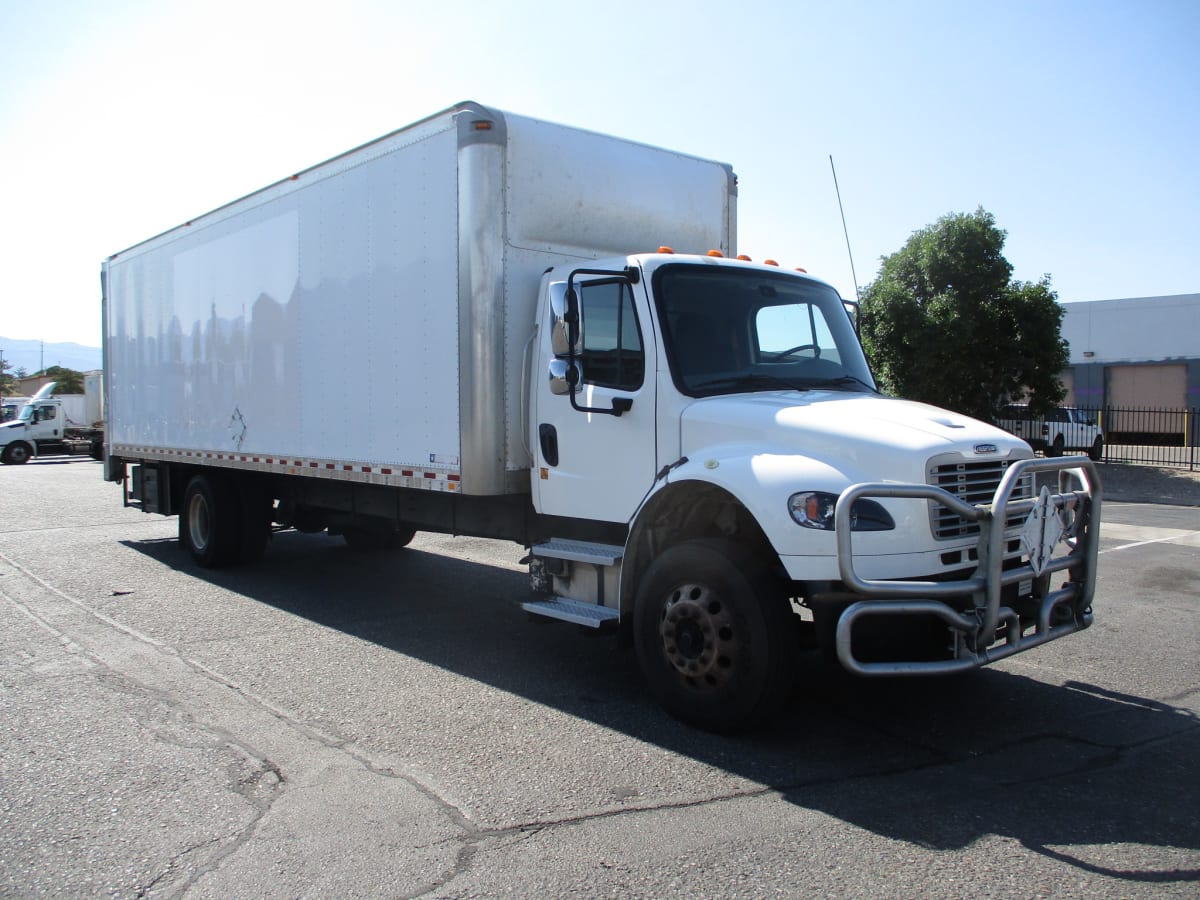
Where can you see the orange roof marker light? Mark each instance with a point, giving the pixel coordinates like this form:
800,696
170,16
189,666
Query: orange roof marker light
717,254
665,249
770,262
798,269
744,258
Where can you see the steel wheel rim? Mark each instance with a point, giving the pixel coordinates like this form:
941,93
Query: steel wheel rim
698,637
199,522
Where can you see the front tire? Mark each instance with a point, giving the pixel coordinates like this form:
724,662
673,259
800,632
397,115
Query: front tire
16,454
210,522
715,647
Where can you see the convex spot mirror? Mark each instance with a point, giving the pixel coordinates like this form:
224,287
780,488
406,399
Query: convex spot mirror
562,329
561,380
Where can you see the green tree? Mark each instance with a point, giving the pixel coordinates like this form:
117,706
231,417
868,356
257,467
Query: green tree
69,380
945,323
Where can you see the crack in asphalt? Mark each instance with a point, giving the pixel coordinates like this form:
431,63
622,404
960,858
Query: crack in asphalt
225,739
265,783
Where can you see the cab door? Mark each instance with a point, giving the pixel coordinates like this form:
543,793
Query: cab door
47,424
593,432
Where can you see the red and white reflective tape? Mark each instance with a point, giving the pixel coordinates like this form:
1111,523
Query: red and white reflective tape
431,478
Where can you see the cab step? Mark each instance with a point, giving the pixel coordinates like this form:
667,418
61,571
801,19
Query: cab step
579,551
588,614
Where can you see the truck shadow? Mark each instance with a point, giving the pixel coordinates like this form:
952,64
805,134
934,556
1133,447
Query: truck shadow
1073,772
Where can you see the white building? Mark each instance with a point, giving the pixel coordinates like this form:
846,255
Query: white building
1142,352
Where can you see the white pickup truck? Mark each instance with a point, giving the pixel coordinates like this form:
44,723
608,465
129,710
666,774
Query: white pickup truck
1060,430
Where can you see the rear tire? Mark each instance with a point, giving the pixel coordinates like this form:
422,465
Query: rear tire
210,522
1097,452
1056,449
256,510
717,649
372,537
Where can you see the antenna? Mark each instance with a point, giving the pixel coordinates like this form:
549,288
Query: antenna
849,253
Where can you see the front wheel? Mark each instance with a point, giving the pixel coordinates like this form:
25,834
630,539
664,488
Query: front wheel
713,645
16,454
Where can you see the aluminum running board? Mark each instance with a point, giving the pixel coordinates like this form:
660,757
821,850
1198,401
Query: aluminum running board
588,614
579,551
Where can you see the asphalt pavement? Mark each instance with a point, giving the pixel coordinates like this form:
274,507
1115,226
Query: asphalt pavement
328,723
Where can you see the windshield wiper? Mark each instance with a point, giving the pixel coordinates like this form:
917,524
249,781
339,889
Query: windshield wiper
746,380
759,379
843,381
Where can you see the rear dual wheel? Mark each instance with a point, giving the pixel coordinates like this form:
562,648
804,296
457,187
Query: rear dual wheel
368,536
220,524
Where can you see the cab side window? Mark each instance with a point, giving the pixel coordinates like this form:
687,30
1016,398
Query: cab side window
612,354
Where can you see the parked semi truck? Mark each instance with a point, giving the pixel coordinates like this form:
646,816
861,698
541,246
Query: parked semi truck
47,425
690,444
11,407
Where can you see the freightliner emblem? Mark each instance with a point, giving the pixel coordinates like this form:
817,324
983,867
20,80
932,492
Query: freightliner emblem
986,448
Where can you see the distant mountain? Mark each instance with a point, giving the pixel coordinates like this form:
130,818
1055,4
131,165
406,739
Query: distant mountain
29,355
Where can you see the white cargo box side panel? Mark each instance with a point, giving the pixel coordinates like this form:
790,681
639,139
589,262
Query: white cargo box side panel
590,195
316,319
575,195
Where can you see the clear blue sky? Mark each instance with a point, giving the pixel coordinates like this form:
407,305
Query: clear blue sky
1077,124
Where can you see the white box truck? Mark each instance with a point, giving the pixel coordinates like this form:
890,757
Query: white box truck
690,444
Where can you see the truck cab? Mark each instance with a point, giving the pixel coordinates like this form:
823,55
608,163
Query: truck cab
39,421
42,427
721,415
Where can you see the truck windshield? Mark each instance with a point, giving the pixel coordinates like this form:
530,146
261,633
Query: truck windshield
731,330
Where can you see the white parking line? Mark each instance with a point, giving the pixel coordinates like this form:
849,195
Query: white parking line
1140,535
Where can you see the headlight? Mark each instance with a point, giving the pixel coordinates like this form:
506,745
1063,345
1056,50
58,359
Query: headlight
814,509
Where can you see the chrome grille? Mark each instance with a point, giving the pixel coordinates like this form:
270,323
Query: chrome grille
971,482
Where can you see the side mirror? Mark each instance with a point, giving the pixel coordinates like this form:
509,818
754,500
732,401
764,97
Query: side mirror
565,378
565,328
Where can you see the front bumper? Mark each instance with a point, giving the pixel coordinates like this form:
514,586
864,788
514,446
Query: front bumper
1061,535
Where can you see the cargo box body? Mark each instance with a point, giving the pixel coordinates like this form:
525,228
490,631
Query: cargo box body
367,319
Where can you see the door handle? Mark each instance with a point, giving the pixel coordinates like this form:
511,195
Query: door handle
548,438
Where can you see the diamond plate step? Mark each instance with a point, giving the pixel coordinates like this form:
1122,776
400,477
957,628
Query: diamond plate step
579,551
588,614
